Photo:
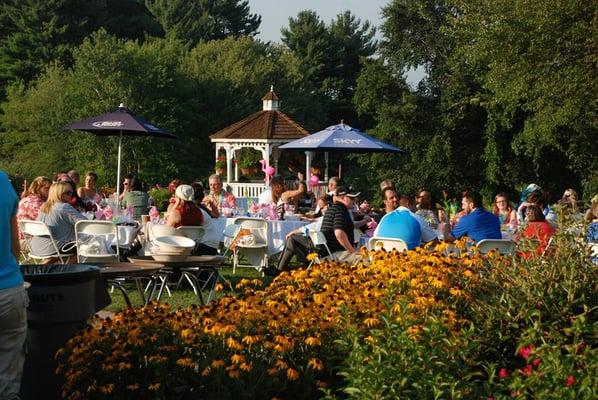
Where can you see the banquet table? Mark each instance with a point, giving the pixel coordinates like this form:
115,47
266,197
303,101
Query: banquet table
278,231
191,267
112,272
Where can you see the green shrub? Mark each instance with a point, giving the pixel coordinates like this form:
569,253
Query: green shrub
516,294
409,359
552,364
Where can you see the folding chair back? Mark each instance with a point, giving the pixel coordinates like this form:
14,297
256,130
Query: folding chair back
93,240
318,239
159,230
593,251
255,250
503,246
387,244
257,226
193,232
31,229
550,248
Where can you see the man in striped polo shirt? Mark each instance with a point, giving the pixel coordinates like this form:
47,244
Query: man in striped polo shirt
337,225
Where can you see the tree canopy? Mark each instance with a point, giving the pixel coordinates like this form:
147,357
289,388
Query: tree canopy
330,57
37,32
508,97
195,20
190,93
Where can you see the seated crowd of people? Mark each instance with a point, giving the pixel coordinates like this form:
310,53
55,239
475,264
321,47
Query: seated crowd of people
416,220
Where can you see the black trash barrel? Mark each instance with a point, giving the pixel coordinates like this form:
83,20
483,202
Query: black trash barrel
61,300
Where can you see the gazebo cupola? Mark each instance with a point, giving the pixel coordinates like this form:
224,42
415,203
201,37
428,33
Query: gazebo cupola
263,131
270,101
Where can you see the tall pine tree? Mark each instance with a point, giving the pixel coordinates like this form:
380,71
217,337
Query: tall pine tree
192,21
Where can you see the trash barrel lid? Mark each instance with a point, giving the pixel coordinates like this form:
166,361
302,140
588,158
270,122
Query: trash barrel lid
58,273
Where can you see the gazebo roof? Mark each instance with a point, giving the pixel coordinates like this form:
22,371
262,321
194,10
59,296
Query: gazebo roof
270,123
263,125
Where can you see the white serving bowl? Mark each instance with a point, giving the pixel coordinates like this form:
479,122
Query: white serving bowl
174,244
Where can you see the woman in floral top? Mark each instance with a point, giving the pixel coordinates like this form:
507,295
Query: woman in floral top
33,198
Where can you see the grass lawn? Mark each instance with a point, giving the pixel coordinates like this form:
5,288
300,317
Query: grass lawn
185,297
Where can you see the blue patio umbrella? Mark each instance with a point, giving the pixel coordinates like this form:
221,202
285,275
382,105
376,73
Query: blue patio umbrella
120,122
340,138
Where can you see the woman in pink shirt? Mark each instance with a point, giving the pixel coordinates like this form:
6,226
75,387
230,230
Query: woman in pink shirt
33,198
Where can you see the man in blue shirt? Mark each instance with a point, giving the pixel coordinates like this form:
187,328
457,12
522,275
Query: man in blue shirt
13,298
400,224
478,224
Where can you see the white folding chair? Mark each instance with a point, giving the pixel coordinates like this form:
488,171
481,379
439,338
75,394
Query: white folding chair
550,248
503,246
193,232
593,250
388,244
255,249
158,230
93,240
31,229
318,239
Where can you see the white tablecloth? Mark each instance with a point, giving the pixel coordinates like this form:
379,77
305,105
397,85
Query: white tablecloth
278,231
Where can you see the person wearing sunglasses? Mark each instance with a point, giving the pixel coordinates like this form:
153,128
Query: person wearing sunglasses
60,217
75,201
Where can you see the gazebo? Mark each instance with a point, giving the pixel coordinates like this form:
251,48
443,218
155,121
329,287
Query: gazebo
263,131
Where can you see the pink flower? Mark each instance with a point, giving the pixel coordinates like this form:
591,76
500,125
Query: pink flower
569,381
524,352
536,362
527,370
502,373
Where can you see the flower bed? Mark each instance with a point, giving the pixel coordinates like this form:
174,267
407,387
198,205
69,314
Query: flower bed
399,325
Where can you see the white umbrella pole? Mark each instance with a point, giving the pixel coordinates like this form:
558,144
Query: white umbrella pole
120,142
307,165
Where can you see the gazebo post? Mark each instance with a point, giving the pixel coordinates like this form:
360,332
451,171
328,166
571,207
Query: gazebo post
229,167
236,167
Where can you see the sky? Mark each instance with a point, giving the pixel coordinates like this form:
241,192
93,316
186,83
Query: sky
275,15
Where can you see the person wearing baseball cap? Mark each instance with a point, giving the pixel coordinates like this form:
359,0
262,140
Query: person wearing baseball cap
183,212
337,225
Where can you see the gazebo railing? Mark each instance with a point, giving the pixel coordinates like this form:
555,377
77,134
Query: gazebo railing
247,189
